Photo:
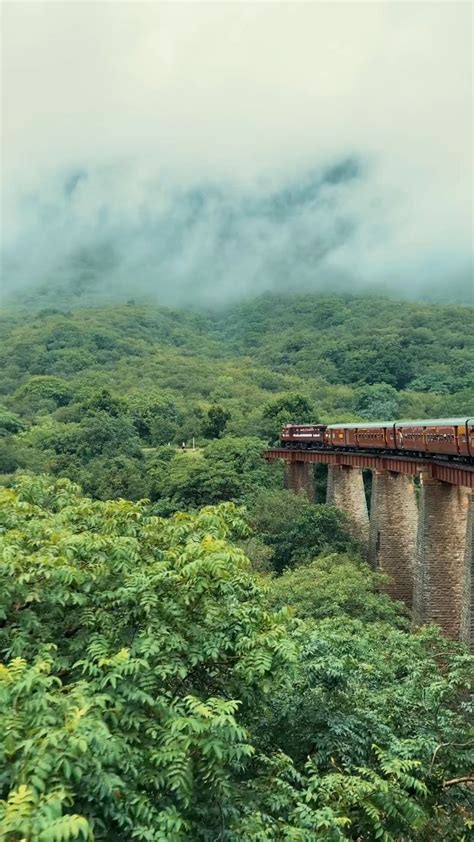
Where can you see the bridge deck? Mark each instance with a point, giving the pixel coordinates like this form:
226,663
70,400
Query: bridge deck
456,473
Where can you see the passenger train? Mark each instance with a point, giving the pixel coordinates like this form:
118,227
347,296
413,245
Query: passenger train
444,438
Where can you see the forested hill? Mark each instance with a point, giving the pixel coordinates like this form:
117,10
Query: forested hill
189,652
83,388
339,340
353,340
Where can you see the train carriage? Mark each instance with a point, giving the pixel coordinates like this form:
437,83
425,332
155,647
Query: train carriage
309,435
375,436
449,438
442,438
466,438
341,435
410,437
365,436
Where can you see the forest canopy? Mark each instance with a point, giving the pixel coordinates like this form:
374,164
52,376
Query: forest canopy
156,688
188,650
96,394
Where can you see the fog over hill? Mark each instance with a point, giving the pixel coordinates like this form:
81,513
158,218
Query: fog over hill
195,153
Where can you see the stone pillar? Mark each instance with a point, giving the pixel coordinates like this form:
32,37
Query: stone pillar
299,478
439,584
393,531
467,607
345,490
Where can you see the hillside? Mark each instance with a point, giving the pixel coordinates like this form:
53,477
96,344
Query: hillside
216,661
353,340
162,376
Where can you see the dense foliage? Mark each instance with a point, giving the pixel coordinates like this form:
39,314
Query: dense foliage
296,531
155,688
94,394
215,662
130,638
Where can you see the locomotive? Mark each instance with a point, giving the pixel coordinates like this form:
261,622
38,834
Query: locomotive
444,438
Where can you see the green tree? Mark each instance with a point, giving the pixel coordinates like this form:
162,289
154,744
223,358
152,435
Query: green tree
9,458
42,391
155,417
100,434
103,434
382,725
333,585
109,477
378,402
10,422
292,408
129,641
229,469
104,401
296,530
216,422
148,690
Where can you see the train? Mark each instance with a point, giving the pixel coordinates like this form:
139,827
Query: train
444,438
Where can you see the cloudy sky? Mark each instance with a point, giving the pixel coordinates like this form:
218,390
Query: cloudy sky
131,130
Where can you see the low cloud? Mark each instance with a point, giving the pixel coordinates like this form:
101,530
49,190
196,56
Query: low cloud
205,152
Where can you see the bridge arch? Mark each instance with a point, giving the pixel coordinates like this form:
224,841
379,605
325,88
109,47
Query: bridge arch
426,547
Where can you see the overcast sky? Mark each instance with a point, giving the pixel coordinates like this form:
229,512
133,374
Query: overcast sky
251,96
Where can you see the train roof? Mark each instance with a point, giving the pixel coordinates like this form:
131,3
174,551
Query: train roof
424,422
366,426
434,422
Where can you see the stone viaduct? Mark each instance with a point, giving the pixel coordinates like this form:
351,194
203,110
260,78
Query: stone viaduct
420,535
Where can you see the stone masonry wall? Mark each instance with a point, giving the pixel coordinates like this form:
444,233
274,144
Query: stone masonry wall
467,606
393,531
439,582
345,489
299,478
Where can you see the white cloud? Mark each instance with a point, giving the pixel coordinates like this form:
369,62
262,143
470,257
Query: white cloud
252,96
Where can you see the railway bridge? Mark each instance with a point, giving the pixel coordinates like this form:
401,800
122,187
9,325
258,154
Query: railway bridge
420,535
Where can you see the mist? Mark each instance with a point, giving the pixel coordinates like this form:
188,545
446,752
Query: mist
202,153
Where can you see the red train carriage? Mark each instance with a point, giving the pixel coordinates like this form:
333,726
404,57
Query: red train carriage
364,436
438,437
445,437
309,435
340,435
466,438
410,437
